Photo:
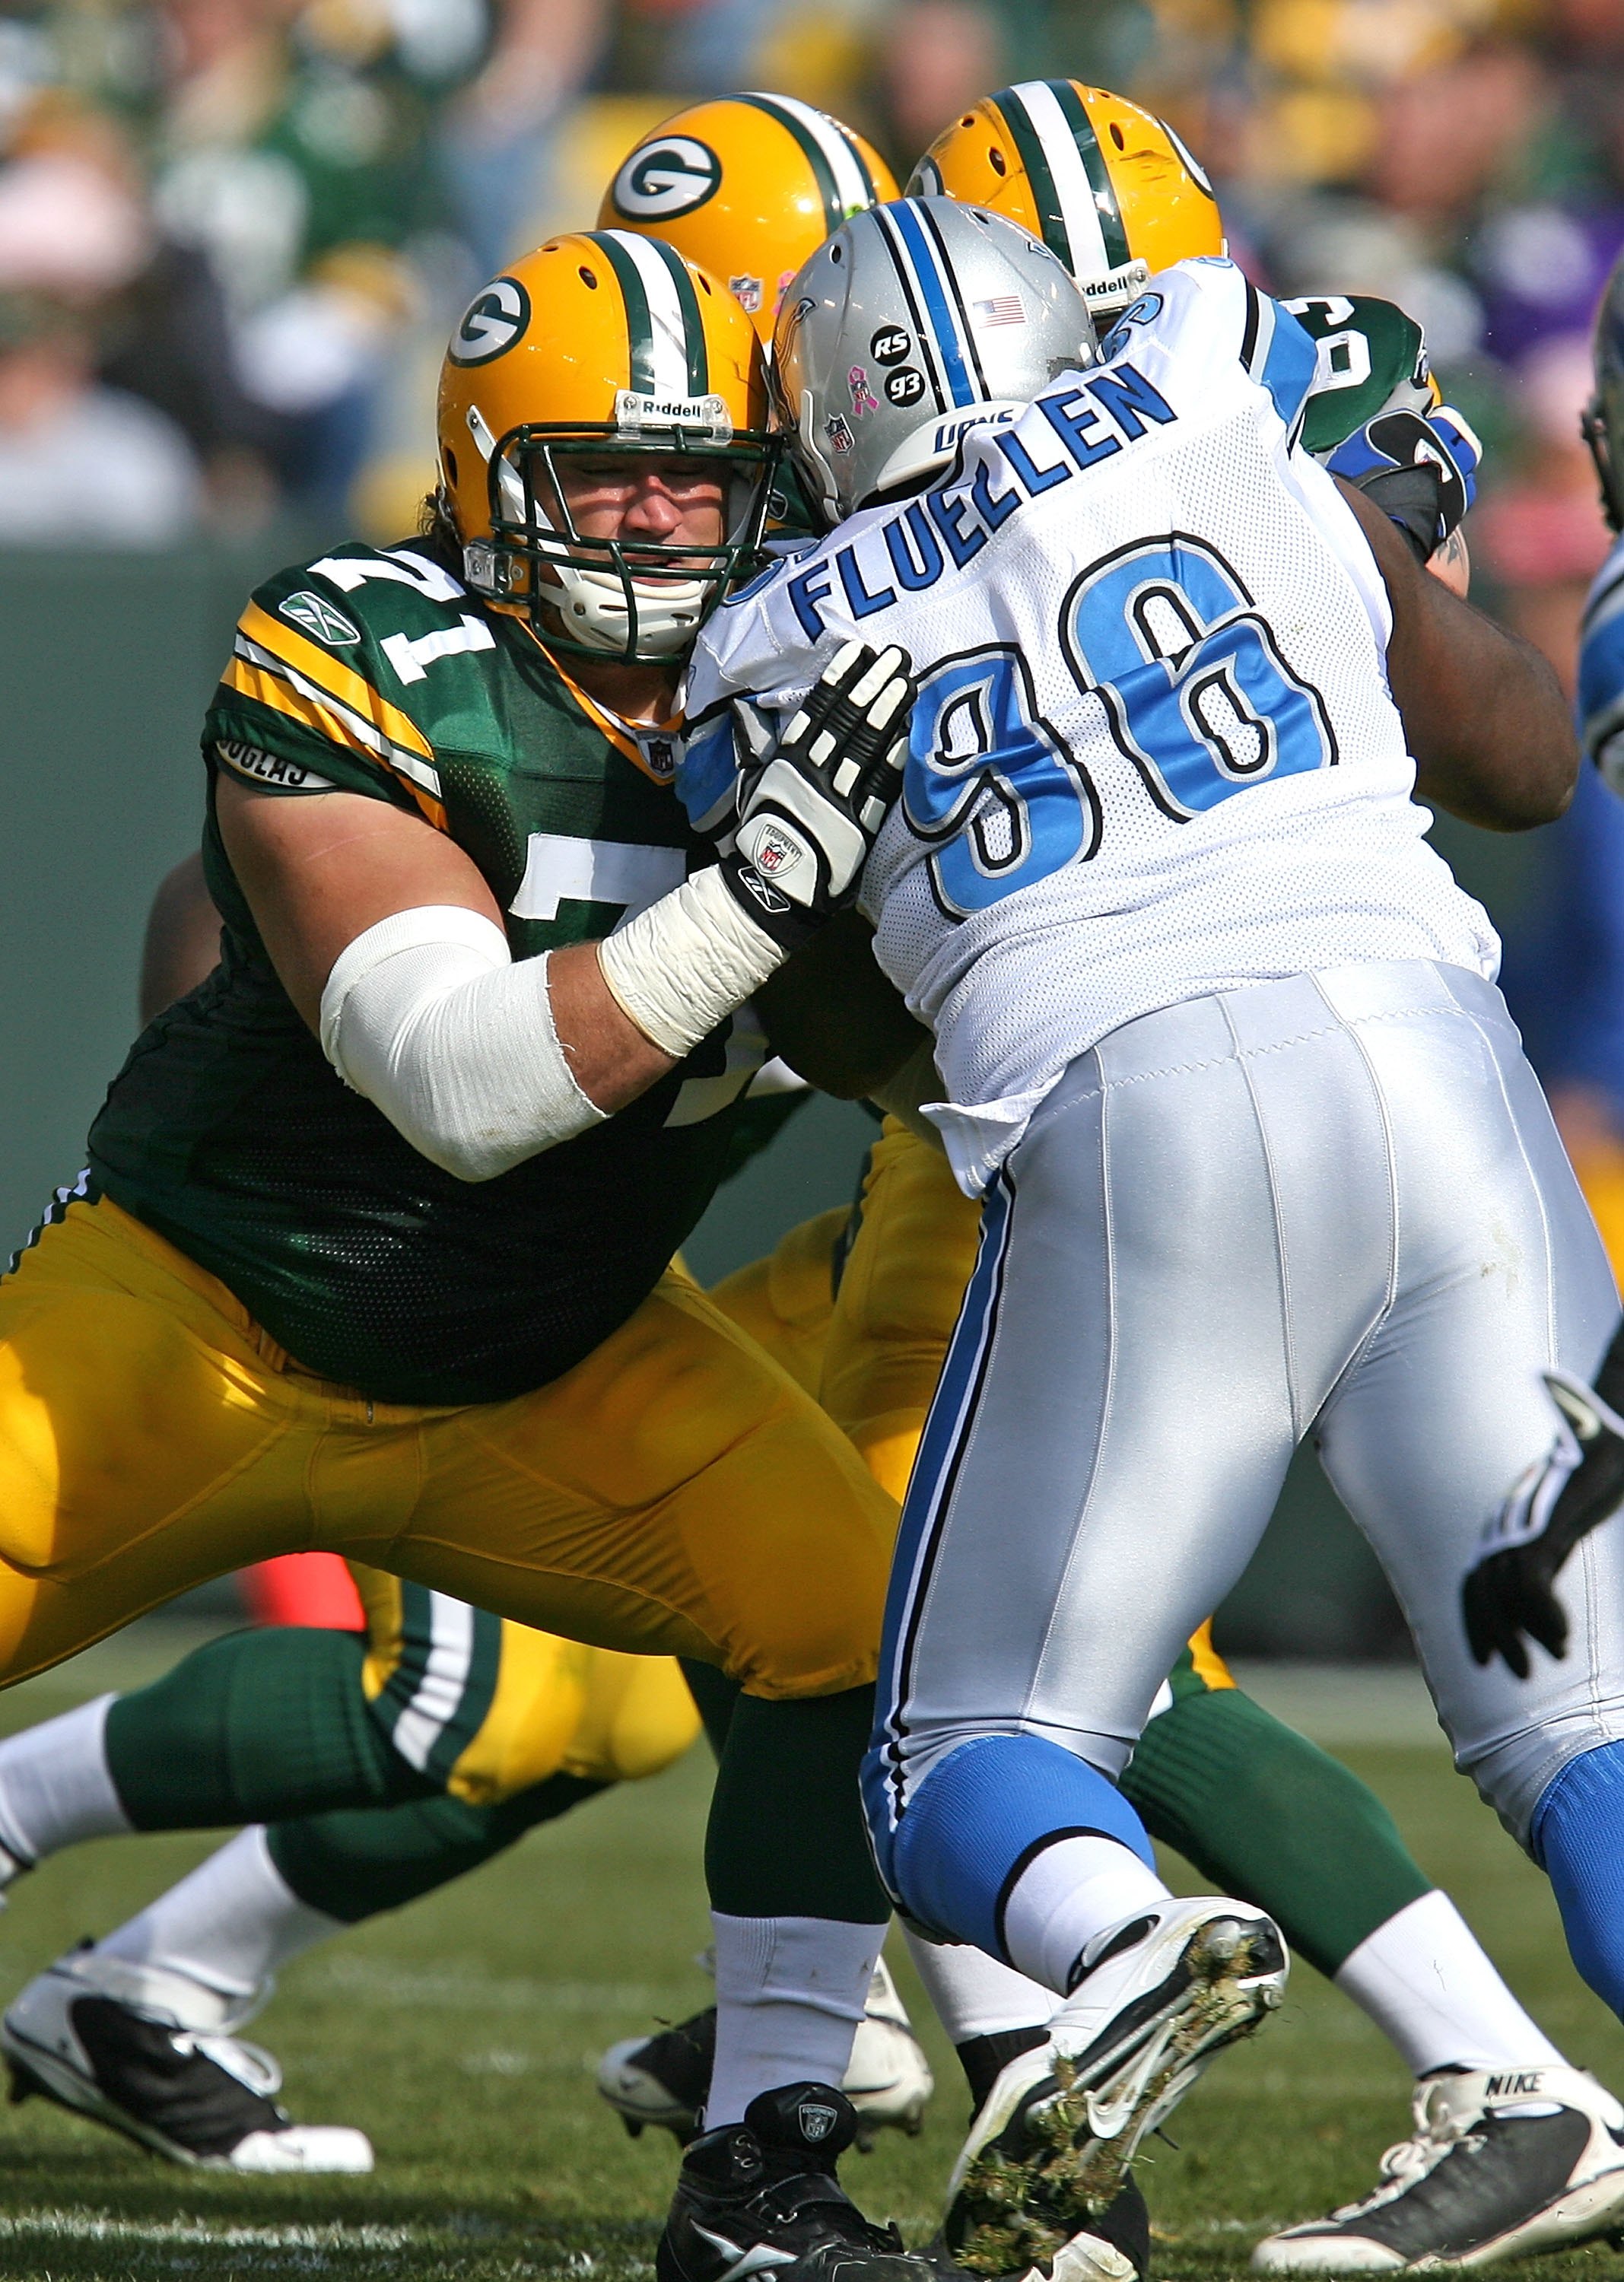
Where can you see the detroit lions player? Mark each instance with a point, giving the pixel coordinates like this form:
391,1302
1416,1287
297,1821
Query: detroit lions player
1260,1152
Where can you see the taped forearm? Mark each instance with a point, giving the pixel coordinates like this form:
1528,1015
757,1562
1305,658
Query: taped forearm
680,967
429,1017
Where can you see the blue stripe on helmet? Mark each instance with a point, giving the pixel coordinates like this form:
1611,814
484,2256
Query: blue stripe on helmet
937,307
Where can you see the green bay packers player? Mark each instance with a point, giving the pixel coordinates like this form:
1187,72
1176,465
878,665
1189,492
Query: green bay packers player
373,1249
270,1725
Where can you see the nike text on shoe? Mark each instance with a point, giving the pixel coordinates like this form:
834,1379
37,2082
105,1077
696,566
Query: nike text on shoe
762,2196
1503,2162
1157,1996
664,2079
193,2097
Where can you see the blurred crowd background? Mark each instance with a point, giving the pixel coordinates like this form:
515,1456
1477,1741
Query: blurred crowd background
234,234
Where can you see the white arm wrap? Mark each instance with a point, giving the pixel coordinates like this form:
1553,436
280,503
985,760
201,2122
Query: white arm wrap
677,967
429,1017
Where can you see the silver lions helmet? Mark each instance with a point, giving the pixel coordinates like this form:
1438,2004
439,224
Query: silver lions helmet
916,321
1602,420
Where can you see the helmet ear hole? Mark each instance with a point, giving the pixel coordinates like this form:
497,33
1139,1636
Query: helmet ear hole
999,163
450,459
1117,136
586,278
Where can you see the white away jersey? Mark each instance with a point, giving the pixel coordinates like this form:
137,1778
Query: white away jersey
1153,754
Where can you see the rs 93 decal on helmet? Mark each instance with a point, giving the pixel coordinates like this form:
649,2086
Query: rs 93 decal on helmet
671,177
493,322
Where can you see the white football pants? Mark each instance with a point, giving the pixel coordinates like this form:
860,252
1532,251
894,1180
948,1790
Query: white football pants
1334,1206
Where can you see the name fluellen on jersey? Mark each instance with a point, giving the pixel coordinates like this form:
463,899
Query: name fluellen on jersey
949,525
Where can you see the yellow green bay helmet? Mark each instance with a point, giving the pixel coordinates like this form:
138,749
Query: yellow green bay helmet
600,342
1111,191
749,186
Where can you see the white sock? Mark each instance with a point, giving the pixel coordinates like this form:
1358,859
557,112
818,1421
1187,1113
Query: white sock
790,1993
1071,1892
1424,1981
55,1789
972,1994
228,1928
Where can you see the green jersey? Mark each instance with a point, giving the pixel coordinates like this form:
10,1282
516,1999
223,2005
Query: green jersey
1372,359
374,671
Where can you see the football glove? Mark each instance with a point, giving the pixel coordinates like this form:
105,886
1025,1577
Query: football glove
1419,469
809,813
1561,1498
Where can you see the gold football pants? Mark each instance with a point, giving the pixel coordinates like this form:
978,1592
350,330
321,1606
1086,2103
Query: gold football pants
882,1339
674,1494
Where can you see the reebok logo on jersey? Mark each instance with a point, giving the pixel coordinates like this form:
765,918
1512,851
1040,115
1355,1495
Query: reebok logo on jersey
270,768
318,617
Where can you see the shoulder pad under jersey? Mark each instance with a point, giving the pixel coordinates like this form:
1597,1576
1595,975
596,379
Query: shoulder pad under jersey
330,668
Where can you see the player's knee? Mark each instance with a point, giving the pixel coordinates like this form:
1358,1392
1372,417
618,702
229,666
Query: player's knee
640,1715
1521,1775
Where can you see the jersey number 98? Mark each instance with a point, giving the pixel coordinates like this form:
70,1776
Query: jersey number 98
1195,691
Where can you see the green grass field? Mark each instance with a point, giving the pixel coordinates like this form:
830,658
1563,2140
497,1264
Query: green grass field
461,2035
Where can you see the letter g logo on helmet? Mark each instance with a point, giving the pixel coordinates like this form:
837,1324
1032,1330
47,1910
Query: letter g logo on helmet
670,176
494,321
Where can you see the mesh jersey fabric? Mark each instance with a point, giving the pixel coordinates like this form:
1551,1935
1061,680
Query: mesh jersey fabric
1175,458
373,671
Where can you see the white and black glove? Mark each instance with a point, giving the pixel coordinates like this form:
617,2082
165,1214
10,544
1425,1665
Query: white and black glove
1575,1488
809,814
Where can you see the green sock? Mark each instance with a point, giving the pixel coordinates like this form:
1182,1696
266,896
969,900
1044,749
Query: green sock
354,1865
715,1696
1269,1817
786,1836
252,1728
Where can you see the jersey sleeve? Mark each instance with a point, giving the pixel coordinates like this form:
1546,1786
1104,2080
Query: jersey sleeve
302,706
1601,666
1369,357
1206,313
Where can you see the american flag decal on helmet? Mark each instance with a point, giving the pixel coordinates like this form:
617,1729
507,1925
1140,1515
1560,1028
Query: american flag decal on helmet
1003,309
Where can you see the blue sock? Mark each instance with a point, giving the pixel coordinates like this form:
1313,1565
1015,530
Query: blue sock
979,1817
1577,1836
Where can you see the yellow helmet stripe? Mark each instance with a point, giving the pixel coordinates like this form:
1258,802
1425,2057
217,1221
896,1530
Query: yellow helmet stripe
842,181
666,338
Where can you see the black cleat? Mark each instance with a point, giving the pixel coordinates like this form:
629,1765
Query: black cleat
664,2079
194,2098
762,2196
1503,2162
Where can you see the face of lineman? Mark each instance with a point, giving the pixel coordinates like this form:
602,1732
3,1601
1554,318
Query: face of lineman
669,501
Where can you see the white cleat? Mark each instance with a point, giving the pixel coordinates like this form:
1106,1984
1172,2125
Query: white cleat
664,2079
1503,2162
1161,1995
195,2096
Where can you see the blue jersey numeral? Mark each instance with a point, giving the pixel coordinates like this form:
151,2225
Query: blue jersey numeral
1194,688
1197,694
993,782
